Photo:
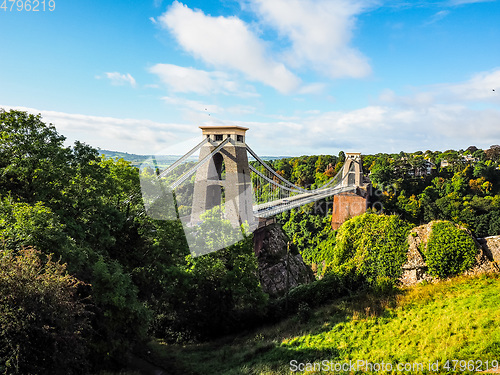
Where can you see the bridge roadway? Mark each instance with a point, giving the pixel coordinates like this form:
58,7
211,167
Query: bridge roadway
275,207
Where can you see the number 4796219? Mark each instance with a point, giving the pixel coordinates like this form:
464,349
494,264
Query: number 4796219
28,5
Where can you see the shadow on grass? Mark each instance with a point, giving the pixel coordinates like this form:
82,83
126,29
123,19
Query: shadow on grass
261,351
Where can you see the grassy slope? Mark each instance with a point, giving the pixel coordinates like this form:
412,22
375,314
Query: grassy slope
457,319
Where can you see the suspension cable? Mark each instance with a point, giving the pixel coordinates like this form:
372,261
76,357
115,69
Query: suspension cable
197,165
275,183
264,164
188,154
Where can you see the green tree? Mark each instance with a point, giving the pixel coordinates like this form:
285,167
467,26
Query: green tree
32,157
307,230
44,327
23,225
120,317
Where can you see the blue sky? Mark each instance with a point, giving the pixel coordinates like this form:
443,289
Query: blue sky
306,76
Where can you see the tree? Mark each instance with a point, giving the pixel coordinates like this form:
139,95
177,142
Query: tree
383,172
44,327
493,153
471,150
121,319
33,161
212,292
307,230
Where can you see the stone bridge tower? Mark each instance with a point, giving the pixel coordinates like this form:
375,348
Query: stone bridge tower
352,171
225,177
350,204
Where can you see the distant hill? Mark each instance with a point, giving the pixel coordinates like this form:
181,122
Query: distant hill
163,160
133,158
136,160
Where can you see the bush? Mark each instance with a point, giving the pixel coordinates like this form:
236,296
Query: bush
304,312
450,250
373,246
43,325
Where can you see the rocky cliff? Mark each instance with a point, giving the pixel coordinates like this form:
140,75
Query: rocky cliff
277,268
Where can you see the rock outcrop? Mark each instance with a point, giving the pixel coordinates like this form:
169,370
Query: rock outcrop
415,269
275,265
491,247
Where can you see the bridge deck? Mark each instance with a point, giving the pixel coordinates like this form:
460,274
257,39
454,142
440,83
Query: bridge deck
281,205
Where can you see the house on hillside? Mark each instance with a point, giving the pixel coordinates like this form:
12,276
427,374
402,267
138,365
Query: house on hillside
425,169
470,159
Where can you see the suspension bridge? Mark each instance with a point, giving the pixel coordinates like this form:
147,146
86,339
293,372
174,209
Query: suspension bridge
228,172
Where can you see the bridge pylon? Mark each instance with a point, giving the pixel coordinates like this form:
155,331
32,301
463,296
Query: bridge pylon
352,171
225,178
354,203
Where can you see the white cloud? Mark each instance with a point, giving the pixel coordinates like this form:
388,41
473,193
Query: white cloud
119,79
479,88
192,105
186,80
204,110
320,32
377,129
437,117
461,2
438,17
226,42
313,88
241,110
130,135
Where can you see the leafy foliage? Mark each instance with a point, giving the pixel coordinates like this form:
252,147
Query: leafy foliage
32,157
43,324
217,291
450,250
374,246
308,231
459,186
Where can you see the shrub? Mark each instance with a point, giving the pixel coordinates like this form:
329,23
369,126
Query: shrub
373,246
450,250
304,312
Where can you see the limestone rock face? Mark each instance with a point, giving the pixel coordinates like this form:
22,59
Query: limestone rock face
415,269
270,245
491,246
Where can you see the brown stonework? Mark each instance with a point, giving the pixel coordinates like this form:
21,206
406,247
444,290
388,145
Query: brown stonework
346,206
349,204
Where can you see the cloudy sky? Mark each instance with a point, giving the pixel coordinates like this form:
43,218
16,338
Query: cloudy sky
306,76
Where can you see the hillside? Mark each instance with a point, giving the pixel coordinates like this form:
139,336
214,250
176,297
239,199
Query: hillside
434,323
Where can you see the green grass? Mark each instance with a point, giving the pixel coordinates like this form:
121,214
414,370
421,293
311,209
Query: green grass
456,319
